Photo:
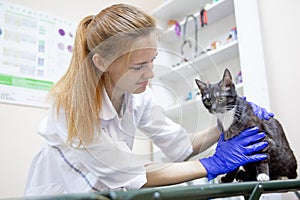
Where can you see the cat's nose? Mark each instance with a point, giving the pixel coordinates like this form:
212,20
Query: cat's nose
214,107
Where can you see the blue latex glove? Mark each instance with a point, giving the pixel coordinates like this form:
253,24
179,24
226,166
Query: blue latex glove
236,152
260,112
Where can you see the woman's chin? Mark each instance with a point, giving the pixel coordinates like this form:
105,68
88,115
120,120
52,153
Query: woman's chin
140,90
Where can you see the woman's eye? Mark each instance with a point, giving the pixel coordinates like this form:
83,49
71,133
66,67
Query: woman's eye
137,67
141,65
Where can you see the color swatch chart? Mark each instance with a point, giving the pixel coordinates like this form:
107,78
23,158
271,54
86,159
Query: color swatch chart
35,51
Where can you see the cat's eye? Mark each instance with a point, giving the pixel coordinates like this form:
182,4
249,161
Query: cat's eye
221,99
207,102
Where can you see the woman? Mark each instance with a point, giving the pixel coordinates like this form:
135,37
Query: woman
101,101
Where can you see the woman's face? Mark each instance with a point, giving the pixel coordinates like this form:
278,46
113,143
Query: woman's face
131,73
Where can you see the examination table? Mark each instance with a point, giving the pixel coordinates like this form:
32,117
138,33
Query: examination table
250,191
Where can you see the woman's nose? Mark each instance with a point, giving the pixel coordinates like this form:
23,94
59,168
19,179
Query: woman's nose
148,74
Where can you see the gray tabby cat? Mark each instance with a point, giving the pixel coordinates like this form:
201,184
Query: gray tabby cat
234,115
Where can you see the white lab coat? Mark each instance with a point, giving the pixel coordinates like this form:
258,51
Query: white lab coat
109,162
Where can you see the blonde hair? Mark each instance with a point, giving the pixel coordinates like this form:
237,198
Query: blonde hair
79,91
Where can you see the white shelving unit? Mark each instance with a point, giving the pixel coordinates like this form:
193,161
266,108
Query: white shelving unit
174,84
176,10
217,56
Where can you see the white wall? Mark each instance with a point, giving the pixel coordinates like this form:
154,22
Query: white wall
281,39
76,10
19,142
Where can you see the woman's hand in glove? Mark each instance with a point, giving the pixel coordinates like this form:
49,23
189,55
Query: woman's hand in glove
233,153
260,112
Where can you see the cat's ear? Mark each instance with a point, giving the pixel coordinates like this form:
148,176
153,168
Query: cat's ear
227,79
201,85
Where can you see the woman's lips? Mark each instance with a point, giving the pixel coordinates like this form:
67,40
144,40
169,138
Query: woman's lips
143,83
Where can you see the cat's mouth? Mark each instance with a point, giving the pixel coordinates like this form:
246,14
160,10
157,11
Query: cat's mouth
222,111
218,111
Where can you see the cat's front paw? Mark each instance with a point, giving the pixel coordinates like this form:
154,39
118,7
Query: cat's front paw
263,177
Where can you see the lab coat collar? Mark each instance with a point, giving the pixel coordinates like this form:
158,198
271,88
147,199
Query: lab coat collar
108,111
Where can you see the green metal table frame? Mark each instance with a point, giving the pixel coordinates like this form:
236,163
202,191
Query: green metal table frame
250,191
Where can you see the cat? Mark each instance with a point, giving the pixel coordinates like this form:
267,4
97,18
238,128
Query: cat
235,114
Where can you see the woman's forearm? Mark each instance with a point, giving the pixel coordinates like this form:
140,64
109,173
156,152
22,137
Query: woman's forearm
172,173
204,139
159,174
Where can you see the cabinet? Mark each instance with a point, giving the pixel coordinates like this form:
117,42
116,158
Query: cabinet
177,65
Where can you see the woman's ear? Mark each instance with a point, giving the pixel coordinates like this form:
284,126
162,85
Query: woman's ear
98,62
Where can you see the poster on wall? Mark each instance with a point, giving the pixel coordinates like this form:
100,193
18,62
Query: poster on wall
35,51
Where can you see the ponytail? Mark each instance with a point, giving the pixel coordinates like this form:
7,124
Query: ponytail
79,91
81,50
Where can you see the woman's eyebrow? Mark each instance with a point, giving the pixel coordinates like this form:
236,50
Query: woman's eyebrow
146,61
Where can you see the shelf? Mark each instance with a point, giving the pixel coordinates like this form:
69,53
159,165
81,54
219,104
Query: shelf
176,9
210,59
215,12
187,107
